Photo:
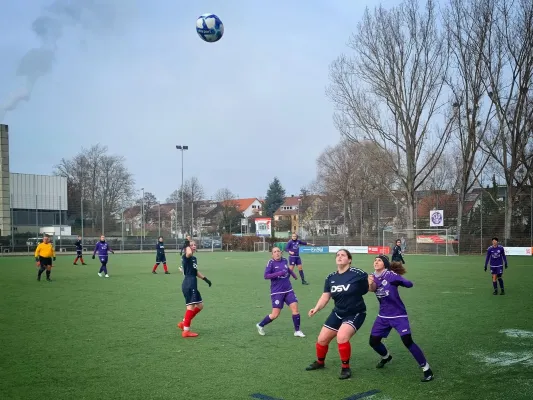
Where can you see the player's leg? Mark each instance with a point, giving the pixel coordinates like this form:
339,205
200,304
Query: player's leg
155,266
292,302
165,268
500,281
42,268
379,331
326,335
48,272
494,281
301,270
103,268
193,300
81,258
76,259
348,328
277,305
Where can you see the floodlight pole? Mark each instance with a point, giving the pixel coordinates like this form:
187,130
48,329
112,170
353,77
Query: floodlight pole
182,148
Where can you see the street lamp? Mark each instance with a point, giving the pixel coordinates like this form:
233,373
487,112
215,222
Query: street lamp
182,149
142,218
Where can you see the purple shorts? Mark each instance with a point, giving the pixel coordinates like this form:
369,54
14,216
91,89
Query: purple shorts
280,298
295,260
496,270
382,326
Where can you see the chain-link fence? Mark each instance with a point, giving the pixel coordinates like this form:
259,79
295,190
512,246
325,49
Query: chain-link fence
319,220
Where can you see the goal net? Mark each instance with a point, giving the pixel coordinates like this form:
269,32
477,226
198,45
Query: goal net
422,241
261,246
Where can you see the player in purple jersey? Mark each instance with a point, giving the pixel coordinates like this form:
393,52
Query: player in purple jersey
293,248
346,287
281,292
392,313
497,258
103,250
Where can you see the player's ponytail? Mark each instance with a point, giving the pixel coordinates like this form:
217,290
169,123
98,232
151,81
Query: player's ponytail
397,267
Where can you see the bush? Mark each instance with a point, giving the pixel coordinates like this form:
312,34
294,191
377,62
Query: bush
242,243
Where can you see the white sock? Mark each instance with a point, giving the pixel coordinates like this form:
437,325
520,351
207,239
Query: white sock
425,367
386,356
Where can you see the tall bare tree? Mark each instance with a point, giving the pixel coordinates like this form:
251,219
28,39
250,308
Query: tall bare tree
390,90
96,178
354,172
193,192
508,57
468,25
230,218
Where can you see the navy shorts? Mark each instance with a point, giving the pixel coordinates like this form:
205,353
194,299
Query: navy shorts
191,293
160,259
279,299
78,253
45,261
295,260
334,321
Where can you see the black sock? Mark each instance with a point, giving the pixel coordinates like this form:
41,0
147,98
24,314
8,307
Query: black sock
501,283
495,285
41,270
47,274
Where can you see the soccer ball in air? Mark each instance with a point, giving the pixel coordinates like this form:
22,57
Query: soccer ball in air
209,27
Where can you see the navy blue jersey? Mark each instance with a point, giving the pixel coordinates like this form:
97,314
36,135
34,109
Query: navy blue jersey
78,245
189,266
160,248
347,291
397,254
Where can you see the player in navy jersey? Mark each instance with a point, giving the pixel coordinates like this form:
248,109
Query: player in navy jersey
346,287
293,248
496,257
397,252
103,250
79,252
160,256
392,313
281,292
189,287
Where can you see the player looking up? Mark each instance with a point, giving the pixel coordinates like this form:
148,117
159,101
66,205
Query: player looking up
496,256
193,298
392,313
103,250
346,287
160,256
279,273
79,252
44,255
293,247
397,252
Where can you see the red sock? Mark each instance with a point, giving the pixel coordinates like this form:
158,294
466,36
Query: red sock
81,259
165,267
321,352
189,315
345,351
76,260
155,267
196,311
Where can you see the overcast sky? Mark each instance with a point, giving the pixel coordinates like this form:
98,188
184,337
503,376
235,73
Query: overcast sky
139,80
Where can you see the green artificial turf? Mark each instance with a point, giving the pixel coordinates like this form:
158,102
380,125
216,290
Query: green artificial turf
86,337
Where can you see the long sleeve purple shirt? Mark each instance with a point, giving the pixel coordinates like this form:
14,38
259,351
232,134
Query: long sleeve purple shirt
279,273
496,256
294,246
390,302
102,248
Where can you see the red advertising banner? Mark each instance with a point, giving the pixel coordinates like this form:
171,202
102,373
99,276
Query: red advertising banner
378,249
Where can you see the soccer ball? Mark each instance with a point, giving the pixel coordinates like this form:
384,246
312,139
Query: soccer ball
209,27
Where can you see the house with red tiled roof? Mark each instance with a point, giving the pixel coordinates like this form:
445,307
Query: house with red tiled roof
248,207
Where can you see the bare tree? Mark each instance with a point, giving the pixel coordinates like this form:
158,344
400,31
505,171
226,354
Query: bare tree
390,91
96,178
508,57
230,217
468,25
193,192
351,173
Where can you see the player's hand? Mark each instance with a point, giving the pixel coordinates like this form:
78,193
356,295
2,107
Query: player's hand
207,281
53,258
38,263
93,256
112,252
312,312
485,269
506,266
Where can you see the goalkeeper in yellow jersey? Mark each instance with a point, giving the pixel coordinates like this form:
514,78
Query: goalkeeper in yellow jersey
44,255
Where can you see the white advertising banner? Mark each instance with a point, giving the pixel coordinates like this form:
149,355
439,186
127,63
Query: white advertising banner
517,251
351,249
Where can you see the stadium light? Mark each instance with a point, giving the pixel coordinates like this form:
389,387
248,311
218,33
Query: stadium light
182,148
142,218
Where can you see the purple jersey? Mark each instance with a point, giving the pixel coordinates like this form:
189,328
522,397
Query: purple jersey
280,276
496,256
294,246
102,248
390,303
